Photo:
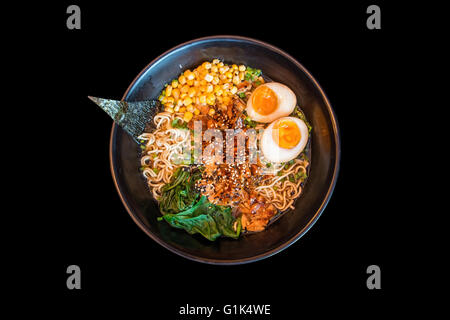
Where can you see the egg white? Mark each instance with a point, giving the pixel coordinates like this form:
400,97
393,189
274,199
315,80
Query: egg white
273,152
286,103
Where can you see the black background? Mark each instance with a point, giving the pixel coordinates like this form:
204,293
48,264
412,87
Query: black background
122,268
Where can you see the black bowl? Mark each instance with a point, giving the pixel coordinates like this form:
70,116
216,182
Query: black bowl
325,151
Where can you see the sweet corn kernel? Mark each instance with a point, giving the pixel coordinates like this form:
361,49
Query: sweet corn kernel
192,92
208,77
223,70
187,101
219,92
168,90
187,73
163,100
182,79
225,86
190,82
169,110
176,109
211,99
196,111
211,112
188,116
185,88
180,103
214,69
234,67
190,108
170,100
242,68
176,93
201,74
206,65
220,64
196,83
174,83
210,88
160,98
191,76
183,95
215,80
182,109
229,74
236,80
233,90
215,61
202,99
241,75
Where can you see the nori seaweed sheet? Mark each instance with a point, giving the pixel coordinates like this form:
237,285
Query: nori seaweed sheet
133,117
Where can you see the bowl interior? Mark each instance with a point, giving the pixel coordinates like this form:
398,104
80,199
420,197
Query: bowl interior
125,153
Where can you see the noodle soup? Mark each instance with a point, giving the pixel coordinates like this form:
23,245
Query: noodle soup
228,152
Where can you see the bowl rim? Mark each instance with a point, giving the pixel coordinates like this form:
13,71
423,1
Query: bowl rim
294,238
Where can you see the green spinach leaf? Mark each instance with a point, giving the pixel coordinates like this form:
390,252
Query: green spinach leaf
180,193
207,219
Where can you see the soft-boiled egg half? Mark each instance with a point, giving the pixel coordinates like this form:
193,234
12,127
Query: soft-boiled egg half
284,139
270,101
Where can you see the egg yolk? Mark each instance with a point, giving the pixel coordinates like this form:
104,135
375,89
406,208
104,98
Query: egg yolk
264,100
286,133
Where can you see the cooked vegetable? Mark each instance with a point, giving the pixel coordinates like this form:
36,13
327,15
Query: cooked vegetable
178,123
252,74
250,123
304,157
299,114
179,194
301,175
210,220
